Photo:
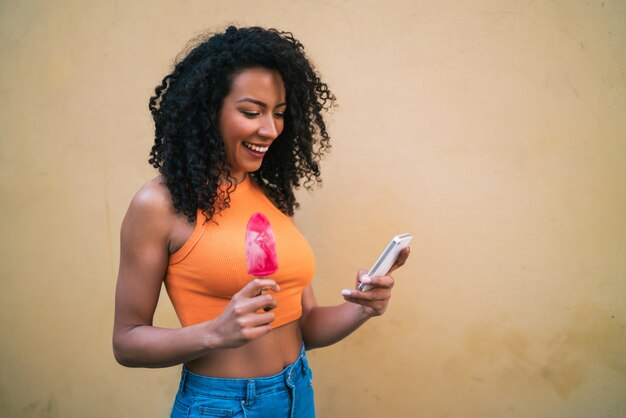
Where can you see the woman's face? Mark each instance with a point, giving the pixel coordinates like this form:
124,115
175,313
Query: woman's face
251,118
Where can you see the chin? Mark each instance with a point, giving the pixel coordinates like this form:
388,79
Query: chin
248,168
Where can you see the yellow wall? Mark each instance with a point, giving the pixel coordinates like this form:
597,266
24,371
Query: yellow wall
493,130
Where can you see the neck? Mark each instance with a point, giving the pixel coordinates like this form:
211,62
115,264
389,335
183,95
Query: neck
239,177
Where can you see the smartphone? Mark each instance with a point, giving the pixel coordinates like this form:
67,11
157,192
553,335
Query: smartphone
387,258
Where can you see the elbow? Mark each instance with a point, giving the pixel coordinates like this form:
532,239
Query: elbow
121,359
311,343
122,355
118,353
309,340
125,360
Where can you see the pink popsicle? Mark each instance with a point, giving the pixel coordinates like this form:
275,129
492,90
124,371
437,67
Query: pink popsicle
260,247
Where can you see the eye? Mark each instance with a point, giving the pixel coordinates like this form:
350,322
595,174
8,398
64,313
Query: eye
250,114
280,113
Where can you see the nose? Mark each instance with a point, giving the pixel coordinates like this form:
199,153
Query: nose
268,128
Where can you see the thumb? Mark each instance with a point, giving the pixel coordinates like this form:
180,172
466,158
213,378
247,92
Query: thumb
361,276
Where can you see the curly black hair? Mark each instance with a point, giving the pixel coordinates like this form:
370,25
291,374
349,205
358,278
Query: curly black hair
188,150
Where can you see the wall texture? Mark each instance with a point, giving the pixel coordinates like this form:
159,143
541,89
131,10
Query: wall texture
495,131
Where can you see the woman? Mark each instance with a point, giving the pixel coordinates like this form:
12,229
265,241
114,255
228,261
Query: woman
238,126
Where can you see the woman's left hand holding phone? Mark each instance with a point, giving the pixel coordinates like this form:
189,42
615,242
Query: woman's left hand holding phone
375,300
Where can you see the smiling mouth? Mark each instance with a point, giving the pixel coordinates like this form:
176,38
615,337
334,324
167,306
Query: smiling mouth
256,148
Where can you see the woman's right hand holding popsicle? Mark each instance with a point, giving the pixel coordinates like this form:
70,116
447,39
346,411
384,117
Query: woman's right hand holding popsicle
244,320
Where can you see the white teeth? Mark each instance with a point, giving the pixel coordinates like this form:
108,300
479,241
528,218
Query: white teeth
256,147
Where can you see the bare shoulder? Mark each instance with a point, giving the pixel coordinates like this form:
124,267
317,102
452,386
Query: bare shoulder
153,196
151,208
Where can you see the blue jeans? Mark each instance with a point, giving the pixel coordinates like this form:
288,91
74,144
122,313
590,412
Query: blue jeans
286,394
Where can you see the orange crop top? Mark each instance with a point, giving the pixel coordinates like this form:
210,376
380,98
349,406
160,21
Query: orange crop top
204,274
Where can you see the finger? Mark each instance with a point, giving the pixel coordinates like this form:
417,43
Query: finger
372,295
258,319
269,307
402,257
256,332
361,277
349,296
257,285
361,299
385,282
362,272
255,303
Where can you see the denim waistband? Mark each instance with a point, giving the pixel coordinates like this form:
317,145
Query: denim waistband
244,388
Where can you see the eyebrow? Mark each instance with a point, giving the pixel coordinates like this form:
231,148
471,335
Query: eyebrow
258,102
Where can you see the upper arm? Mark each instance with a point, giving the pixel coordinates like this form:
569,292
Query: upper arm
144,257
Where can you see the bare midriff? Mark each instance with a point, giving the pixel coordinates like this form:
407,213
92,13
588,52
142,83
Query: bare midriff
264,356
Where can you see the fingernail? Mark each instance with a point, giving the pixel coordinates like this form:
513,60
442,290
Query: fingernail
365,279
346,292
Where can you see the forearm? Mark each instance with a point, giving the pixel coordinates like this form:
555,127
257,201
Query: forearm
327,325
148,346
